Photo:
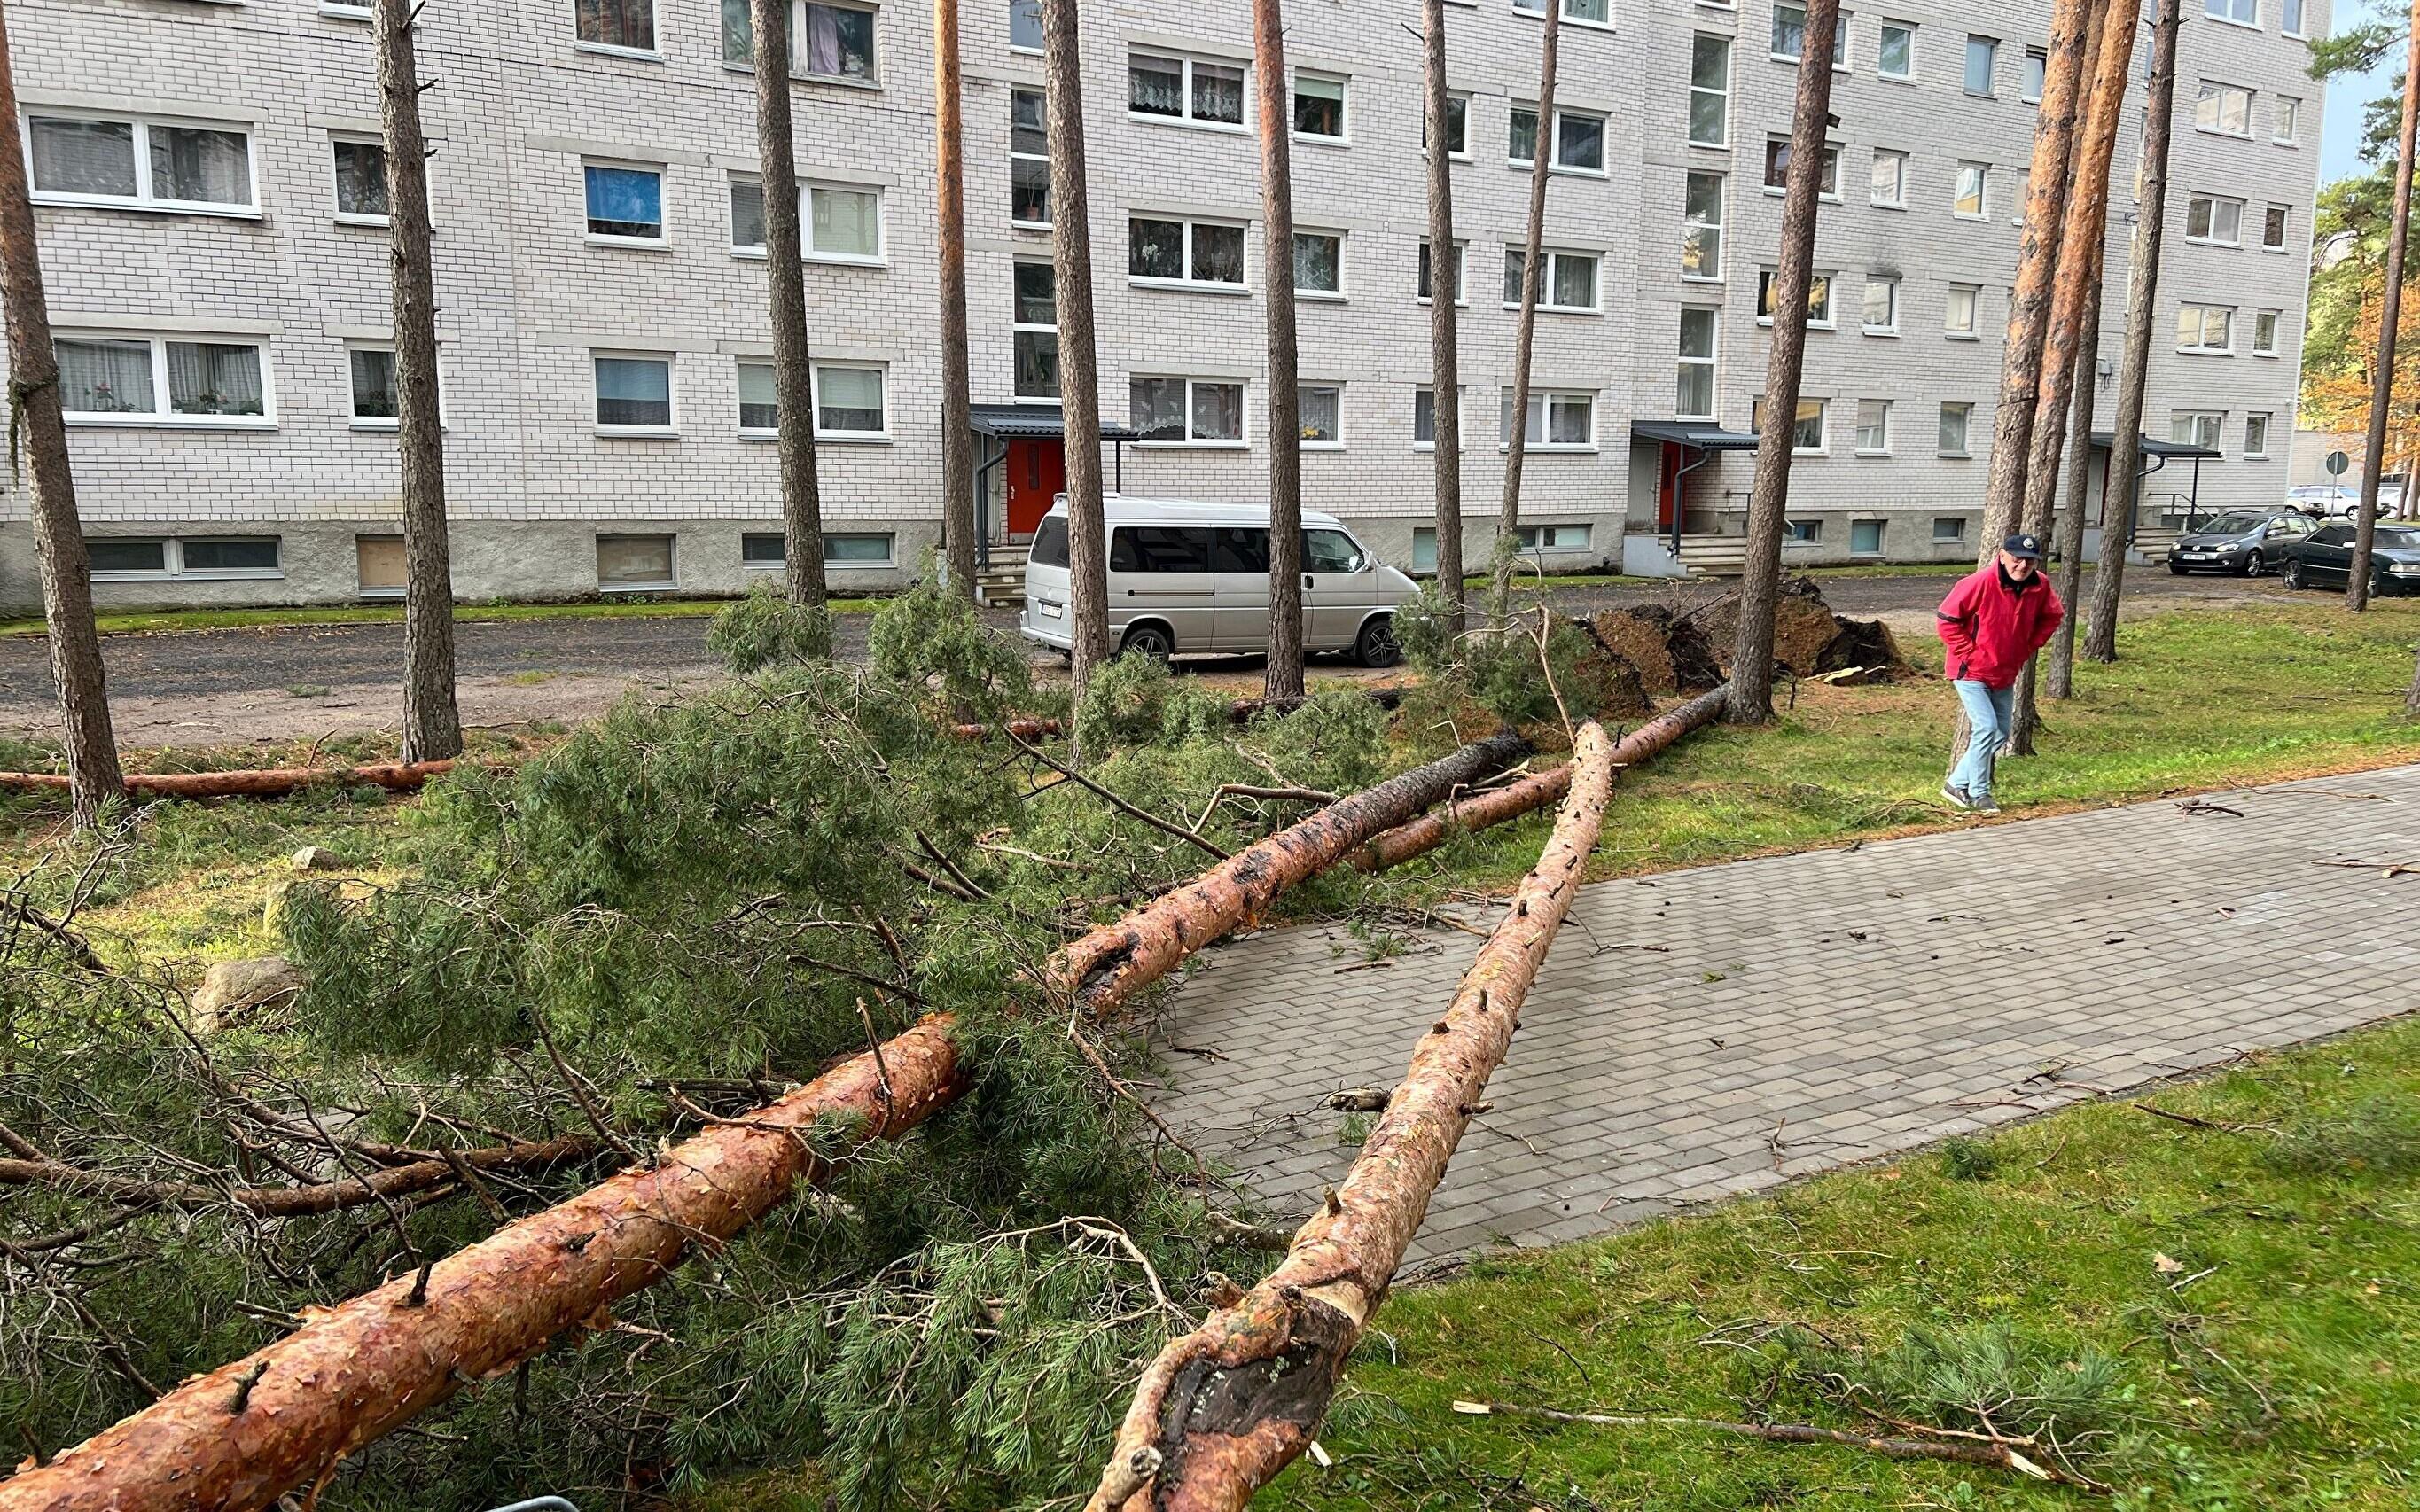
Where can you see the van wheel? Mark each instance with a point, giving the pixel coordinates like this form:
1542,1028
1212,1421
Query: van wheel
1148,641
1377,645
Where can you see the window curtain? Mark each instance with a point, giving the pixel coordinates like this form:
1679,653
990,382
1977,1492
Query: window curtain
374,396
361,178
1574,283
208,378
625,202
738,32
201,166
1157,408
107,377
849,398
759,401
1316,263
83,157
1217,411
746,215
836,42
618,23
1155,88
633,391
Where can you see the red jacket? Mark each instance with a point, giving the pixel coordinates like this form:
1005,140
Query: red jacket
1991,630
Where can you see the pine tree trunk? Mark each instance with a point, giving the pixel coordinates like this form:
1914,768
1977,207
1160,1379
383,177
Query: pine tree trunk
1751,700
1283,678
2390,316
786,277
432,726
950,182
2059,680
2121,499
1524,330
1445,358
1079,394
58,534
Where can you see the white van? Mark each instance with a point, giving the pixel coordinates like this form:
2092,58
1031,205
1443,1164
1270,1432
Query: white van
1188,577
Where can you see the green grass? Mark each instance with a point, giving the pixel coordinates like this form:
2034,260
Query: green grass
168,621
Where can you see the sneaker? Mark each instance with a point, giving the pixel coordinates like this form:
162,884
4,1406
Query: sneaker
1955,796
1983,805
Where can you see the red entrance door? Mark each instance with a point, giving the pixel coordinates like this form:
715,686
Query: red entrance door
1668,492
1037,474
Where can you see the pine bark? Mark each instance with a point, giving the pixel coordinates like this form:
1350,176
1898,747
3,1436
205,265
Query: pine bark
1525,328
2382,381
1445,384
432,725
2119,500
1283,678
2059,680
1751,700
248,783
1225,1408
949,183
785,280
85,731
1079,394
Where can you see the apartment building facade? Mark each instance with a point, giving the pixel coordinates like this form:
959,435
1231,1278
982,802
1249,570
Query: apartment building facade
213,228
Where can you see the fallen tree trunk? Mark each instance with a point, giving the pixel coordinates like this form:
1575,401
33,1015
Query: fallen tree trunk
1434,829
1225,1408
258,782
1111,962
1386,696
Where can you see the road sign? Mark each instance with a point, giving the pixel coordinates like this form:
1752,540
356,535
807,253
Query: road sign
2336,464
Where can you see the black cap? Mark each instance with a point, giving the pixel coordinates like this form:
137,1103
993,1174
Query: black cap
2022,545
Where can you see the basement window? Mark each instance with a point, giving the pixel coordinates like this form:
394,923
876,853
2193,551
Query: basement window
634,563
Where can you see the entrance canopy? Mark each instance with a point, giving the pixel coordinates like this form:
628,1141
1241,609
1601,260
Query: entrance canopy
1703,435
2105,439
1033,422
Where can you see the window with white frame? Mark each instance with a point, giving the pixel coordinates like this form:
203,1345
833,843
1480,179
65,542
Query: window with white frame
1533,539
2287,130
1200,253
860,549
625,203
1881,304
2264,334
1895,57
1866,538
1424,427
1033,330
2255,434
1319,107
1982,62
1776,167
1425,282
132,558
2205,328
1322,414
831,41
1457,126
1873,427
634,393
622,26
183,380
1557,421
139,163
1955,417
837,223
1970,202
1200,91
850,402
2209,218
635,564
2239,13
1694,399
1819,298
2289,17
370,370
1710,91
2196,428
1579,140
747,216
1802,531
360,166
1025,26
1319,264
1948,529
346,10
1807,433
1790,34
1028,158
1701,227
2222,108
2037,75
1186,411
2273,227
1567,279
760,400
1587,13
1959,317
1890,178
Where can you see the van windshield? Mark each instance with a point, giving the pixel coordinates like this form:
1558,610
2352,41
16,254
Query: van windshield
1050,542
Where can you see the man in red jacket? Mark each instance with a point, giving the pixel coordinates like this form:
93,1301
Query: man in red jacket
1992,623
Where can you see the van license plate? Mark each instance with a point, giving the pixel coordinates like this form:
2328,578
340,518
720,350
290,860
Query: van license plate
1050,611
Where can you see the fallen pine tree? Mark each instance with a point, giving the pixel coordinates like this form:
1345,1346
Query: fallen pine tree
1224,1408
256,782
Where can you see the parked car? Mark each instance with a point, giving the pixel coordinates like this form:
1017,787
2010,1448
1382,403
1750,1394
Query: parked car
2245,542
2322,499
1193,577
2323,559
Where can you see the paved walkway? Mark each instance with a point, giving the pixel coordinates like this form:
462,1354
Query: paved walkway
1717,1030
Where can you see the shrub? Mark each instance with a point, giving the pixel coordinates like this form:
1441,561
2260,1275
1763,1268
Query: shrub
765,629
1969,1160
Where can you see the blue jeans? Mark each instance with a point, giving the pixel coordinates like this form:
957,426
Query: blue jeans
1991,715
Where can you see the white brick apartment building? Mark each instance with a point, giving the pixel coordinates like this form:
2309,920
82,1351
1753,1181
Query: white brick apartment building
211,234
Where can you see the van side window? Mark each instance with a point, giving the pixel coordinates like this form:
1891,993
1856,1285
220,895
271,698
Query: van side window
1050,542
1239,548
1329,551
1160,549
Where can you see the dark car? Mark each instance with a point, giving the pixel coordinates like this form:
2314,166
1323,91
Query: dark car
2247,541
2323,559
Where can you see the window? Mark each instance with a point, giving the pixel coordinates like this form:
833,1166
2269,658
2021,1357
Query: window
763,551
2255,435
1983,61
2239,13
1028,158
1034,330
1873,427
1587,13
1776,166
1881,305
1185,90
1025,26
1537,538
372,372
634,563
1790,34
625,204
1695,398
1958,319
844,225
2273,228
1890,178
2209,219
162,380
1896,58
760,402
2196,428
378,566
859,548
1566,282
848,403
1185,252
746,217
1807,435
1461,256
1556,421
1701,227
2205,328
1948,529
2289,17
2037,73
145,164
1953,429
1802,531
360,181
2264,334
1457,126
827,41
2289,120
123,558
1319,264
627,26
2225,109
1425,424
1179,411
1323,409
635,394
1318,107
1973,180
1819,298
1710,91
1865,537
1579,140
